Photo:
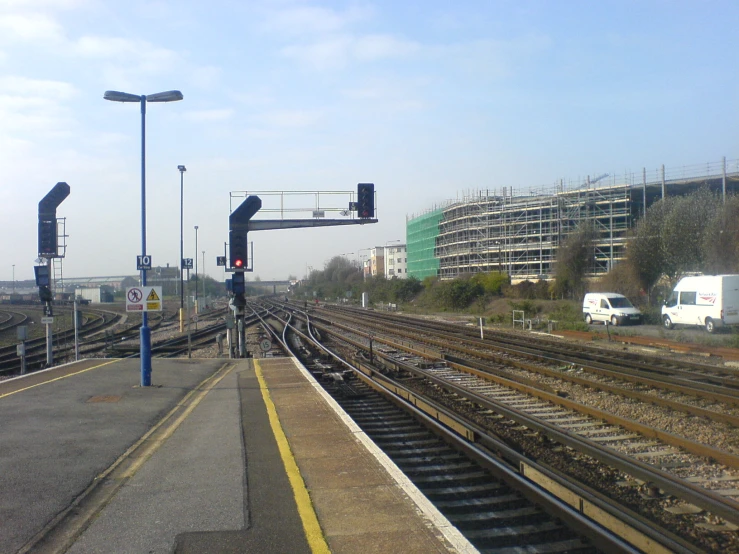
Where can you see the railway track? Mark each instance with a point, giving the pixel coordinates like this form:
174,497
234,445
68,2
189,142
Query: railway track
696,389
660,368
95,336
636,456
494,508
10,319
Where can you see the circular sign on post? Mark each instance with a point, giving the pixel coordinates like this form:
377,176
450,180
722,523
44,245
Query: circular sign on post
265,345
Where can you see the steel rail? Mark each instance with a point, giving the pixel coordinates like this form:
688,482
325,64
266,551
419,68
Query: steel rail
452,342
554,504
721,506
689,370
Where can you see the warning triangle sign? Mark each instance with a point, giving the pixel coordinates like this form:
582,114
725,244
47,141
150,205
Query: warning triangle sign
152,296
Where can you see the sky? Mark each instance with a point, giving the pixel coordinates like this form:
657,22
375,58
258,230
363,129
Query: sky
427,99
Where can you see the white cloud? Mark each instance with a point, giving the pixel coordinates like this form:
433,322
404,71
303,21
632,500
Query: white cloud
291,118
24,86
209,115
33,107
376,47
148,57
205,77
259,96
29,27
339,51
492,57
313,20
389,95
328,54
46,4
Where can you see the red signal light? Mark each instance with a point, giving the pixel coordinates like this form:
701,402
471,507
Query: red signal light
238,262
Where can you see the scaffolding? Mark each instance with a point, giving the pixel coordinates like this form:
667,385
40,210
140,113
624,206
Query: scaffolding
421,234
519,234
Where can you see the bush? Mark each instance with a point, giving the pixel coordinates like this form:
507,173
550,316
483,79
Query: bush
528,290
567,312
527,306
572,325
651,315
499,318
455,294
492,282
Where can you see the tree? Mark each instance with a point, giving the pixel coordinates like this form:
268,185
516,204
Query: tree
645,252
684,229
721,239
492,282
682,234
574,258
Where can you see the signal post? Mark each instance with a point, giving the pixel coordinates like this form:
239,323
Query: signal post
48,249
239,263
241,222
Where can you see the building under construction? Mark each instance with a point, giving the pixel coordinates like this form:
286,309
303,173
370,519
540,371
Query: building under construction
519,234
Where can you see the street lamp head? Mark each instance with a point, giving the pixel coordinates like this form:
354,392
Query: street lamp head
168,96
115,96
196,227
181,168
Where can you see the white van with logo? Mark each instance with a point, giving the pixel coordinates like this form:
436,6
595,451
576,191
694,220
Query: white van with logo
710,301
610,307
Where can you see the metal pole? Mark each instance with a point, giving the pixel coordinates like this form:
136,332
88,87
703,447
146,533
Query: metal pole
723,182
203,273
14,264
644,190
189,336
663,181
23,357
76,331
229,338
242,336
197,306
182,250
196,269
49,337
145,352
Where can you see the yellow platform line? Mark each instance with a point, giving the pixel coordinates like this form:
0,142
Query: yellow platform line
312,528
59,378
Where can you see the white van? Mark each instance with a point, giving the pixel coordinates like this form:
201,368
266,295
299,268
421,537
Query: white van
609,307
710,301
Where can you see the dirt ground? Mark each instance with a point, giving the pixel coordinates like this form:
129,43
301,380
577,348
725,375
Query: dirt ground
687,334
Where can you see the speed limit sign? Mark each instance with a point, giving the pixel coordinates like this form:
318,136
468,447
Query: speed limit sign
265,345
143,263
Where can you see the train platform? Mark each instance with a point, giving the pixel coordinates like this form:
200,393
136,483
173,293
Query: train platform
242,456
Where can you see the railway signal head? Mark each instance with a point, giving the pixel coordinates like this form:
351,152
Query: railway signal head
47,231
43,278
47,237
366,200
237,234
238,283
237,241
44,294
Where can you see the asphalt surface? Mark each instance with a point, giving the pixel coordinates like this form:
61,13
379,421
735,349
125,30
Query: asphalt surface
683,333
58,437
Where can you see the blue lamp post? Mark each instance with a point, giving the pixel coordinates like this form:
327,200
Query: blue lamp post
168,96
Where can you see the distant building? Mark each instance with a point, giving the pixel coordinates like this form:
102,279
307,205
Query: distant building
377,261
96,295
396,261
166,277
519,233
